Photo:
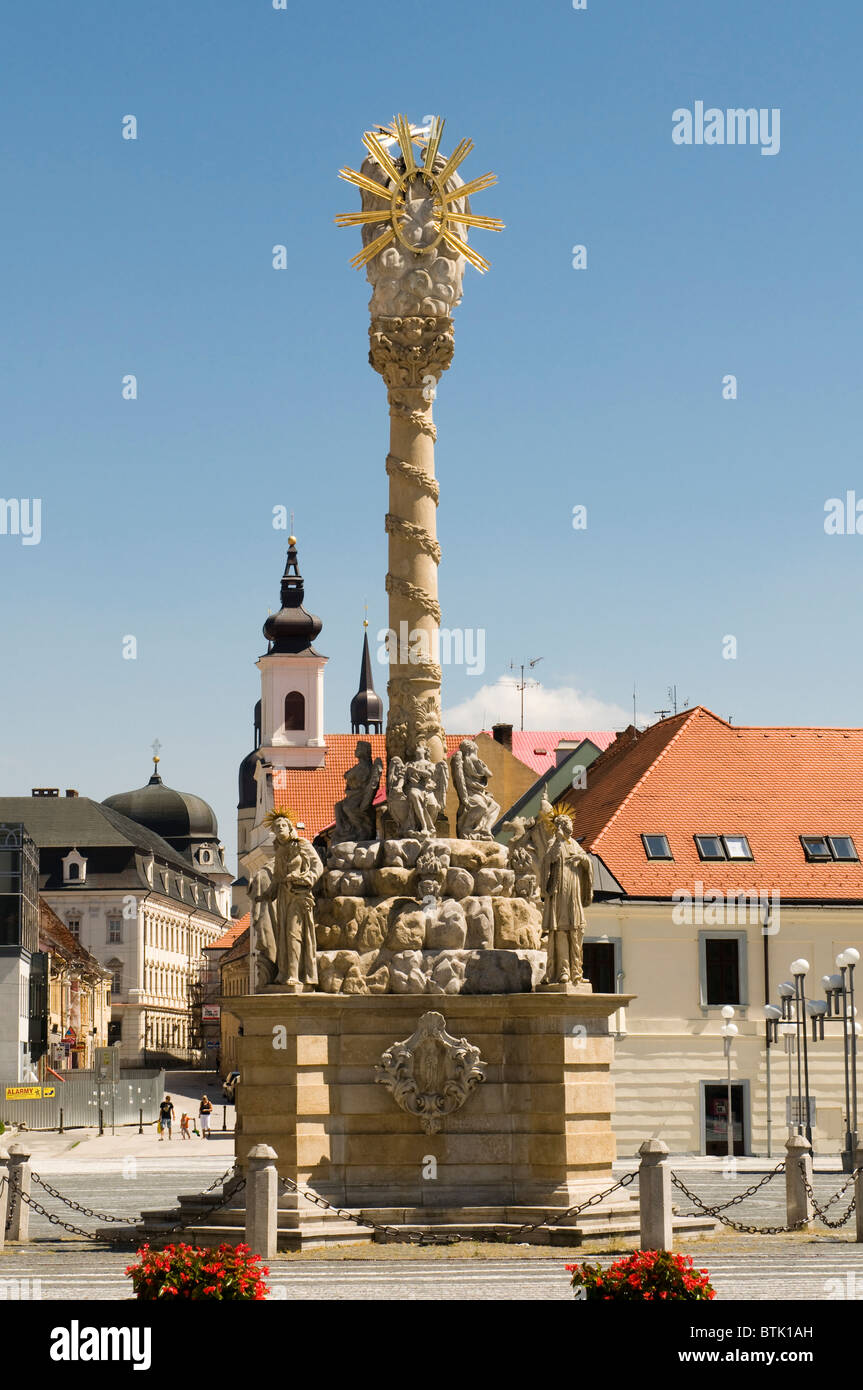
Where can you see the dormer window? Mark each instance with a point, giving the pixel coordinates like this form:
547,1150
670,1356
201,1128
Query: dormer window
824,848
74,867
713,847
205,856
656,846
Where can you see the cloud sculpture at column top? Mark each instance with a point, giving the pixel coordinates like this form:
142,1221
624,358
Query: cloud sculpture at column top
414,219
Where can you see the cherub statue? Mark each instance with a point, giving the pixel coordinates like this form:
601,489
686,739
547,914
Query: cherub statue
354,817
478,810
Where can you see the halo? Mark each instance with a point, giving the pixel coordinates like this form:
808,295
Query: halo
278,812
560,808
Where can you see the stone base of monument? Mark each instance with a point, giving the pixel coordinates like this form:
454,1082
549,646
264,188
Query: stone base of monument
462,1114
497,1116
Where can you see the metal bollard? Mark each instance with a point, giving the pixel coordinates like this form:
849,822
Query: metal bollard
224,1117
262,1201
654,1196
101,1120
60,1126
19,1188
798,1171
4,1193
140,1121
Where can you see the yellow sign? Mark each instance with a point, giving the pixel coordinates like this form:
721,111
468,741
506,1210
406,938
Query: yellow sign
48,1092
23,1092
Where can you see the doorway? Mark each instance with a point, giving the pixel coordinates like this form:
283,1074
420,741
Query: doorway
715,1118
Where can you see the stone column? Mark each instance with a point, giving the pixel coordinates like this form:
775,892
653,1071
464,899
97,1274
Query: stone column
262,1201
411,354
654,1196
798,1165
19,1187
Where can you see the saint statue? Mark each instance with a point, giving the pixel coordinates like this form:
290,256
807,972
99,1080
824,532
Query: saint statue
354,816
262,933
478,810
295,871
567,889
424,786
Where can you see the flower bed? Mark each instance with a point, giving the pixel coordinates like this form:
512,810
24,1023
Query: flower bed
187,1271
645,1274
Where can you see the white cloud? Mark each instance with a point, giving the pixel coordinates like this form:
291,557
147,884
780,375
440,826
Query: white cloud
544,708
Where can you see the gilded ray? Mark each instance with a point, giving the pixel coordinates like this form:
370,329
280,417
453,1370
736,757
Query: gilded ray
406,143
481,264
458,156
356,219
470,219
373,144
433,142
467,189
370,251
351,176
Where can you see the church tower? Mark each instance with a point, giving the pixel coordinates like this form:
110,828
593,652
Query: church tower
292,679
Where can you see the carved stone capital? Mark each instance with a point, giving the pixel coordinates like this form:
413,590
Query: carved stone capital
407,352
431,1074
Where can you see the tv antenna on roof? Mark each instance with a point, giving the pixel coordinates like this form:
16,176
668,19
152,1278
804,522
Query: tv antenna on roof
523,684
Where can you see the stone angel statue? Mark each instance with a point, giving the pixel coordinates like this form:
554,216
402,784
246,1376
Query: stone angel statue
354,815
425,787
478,809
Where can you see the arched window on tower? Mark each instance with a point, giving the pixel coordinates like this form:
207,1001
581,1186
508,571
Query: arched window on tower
295,710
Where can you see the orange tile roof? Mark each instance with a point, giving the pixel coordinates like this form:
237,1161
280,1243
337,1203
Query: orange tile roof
696,774
236,929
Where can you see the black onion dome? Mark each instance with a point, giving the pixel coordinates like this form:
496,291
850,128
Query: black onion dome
292,630
179,817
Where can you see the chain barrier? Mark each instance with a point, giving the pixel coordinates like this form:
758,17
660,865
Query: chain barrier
717,1213
11,1212
821,1211
125,1239
750,1191
399,1236
76,1206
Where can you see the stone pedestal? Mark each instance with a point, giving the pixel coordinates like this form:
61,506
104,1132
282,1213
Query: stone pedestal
536,1131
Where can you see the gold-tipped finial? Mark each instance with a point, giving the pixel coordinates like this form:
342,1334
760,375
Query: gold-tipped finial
401,171
292,540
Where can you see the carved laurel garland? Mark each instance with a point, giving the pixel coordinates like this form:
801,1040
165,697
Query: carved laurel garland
396,585
414,475
397,526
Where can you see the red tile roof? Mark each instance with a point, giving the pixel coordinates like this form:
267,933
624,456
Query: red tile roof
537,750
312,792
224,942
696,774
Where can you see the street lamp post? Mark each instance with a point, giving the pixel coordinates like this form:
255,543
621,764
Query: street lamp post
729,1033
793,1016
839,1004
798,970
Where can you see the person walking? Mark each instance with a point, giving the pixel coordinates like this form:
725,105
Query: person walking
166,1118
204,1113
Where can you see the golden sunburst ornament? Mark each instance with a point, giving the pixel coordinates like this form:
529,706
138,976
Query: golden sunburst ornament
413,184
278,812
560,808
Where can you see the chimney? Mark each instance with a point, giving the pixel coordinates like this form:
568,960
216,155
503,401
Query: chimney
502,733
45,791
70,791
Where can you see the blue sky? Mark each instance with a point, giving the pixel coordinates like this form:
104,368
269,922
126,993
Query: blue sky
600,387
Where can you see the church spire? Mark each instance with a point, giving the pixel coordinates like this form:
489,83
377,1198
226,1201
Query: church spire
367,707
292,630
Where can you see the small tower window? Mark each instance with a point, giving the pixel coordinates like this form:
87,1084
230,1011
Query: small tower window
295,710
